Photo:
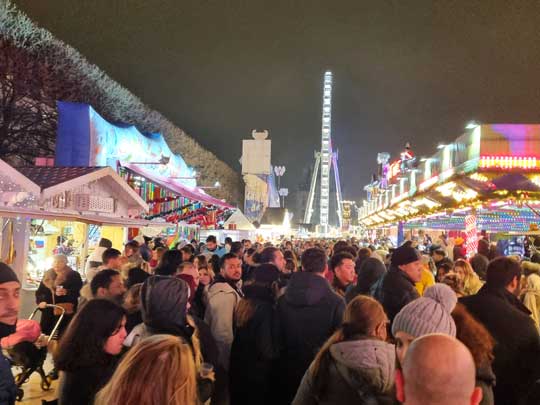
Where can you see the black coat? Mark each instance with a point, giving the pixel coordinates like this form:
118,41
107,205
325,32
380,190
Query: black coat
253,352
79,387
308,313
394,290
44,293
517,349
8,389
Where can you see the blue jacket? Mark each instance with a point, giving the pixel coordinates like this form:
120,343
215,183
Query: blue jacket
220,251
8,389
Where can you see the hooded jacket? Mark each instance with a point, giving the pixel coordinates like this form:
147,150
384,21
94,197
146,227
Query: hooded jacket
222,299
369,272
517,350
308,313
360,372
164,311
163,308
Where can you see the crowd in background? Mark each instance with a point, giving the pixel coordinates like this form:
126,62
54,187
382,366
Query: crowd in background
300,322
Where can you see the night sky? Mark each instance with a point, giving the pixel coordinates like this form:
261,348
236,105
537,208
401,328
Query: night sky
404,70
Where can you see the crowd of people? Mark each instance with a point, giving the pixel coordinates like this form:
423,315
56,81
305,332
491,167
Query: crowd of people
301,322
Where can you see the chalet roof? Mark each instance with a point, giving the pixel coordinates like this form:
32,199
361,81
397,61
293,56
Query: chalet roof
47,176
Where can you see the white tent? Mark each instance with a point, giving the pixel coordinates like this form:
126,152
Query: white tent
240,220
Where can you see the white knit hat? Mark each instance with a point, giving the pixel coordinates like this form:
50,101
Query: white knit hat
428,314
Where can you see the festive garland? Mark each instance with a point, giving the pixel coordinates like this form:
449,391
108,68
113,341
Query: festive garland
169,212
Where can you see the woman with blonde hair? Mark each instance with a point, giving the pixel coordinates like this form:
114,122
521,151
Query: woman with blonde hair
159,355
471,281
356,365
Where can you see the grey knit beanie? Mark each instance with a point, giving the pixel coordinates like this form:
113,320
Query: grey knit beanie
428,314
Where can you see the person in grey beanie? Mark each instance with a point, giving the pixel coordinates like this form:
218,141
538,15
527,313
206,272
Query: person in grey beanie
431,313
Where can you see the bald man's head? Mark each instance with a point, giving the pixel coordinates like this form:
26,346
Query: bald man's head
438,369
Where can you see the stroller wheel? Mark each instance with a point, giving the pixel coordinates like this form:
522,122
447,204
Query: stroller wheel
19,395
19,379
45,385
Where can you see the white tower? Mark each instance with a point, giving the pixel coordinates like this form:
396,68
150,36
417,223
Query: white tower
326,159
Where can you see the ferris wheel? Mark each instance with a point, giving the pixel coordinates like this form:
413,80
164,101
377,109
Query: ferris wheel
326,159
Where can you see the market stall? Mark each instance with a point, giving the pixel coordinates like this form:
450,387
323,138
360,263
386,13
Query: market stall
146,162
50,210
488,179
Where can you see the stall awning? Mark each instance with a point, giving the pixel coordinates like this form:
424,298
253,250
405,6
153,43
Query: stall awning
175,186
74,216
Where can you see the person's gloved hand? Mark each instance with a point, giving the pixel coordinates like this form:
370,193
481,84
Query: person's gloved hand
27,331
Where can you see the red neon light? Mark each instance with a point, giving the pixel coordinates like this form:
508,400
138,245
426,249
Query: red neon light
393,170
509,162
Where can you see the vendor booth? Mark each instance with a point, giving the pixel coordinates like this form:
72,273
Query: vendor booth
145,161
487,180
52,210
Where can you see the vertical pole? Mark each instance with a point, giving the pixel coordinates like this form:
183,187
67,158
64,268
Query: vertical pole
21,244
471,230
400,233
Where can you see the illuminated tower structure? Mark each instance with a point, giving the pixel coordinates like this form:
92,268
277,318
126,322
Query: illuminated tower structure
326,159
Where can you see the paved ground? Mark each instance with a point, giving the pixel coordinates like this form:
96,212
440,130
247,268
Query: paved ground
33,394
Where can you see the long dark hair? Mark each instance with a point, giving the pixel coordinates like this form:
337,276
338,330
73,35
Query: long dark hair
170,261
83,342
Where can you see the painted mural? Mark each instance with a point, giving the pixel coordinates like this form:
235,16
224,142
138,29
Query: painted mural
87,139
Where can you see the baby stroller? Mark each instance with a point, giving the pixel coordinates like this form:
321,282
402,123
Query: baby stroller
30,357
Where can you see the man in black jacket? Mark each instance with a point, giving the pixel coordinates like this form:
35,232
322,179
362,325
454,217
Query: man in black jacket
395,289
517,350
9,310
308,313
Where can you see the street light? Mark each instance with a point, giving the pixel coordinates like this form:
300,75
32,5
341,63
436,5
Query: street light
279,171
472,125
217,184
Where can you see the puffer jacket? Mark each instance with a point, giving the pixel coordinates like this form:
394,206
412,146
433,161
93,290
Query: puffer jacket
360,372
308,313
394,290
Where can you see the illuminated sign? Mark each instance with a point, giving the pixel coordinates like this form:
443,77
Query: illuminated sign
428,183
393,170
509,162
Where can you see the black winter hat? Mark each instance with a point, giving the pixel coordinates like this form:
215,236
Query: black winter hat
7,274
266,274
404,255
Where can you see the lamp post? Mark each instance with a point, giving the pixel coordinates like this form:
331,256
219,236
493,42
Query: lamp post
283,192
279,171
